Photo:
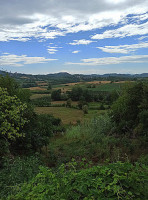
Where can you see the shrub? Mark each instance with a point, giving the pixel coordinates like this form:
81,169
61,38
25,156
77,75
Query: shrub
93,130
16,171
68,103
42,102
85,109
109,182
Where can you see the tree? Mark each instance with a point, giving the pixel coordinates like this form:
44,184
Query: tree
68,103
11,115
12,121
81,103
76,93
49,86
13,88
9,83
130,111
56,95
23,95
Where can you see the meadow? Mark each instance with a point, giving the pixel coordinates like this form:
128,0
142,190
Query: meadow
107,87
94,86
37,96
67,115
72,115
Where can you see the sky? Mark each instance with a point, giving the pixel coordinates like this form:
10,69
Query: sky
74,36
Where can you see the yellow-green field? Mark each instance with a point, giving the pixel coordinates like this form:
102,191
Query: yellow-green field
37,96
67,115
97,86
74,103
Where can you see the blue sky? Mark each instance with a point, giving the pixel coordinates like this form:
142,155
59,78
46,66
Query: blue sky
50,36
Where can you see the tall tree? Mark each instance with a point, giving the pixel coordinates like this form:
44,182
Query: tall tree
130,111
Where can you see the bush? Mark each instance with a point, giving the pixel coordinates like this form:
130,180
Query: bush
109,182
85,109
68,103
42,102
16,171
37,133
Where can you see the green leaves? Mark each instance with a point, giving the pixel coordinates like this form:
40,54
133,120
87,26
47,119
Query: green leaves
11,115
130,111
110,182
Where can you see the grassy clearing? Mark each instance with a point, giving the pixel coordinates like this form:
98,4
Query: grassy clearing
37,88
93,113
69,86
109,87
41,83
63,88
38,96
67,115
74,103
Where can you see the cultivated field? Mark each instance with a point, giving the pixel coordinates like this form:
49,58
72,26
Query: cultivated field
37,88
73,115
41,83
108,87
94,86
74,103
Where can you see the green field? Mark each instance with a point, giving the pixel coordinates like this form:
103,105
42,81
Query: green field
73,115
68,115
38,96
109,87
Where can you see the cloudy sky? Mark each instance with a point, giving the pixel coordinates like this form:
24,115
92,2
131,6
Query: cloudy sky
76,36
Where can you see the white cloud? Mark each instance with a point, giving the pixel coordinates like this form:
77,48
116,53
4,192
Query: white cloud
143,37
75,52
53,49
112,60
124,31
83,41
124,49
18,61
48,19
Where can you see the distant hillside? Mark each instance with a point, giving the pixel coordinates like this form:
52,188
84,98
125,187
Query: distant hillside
64,77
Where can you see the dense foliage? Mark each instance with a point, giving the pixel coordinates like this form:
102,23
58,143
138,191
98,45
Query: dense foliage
9,83
56,95
11,115
78,93
42,102
12,121
130,111
108,182
15,171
